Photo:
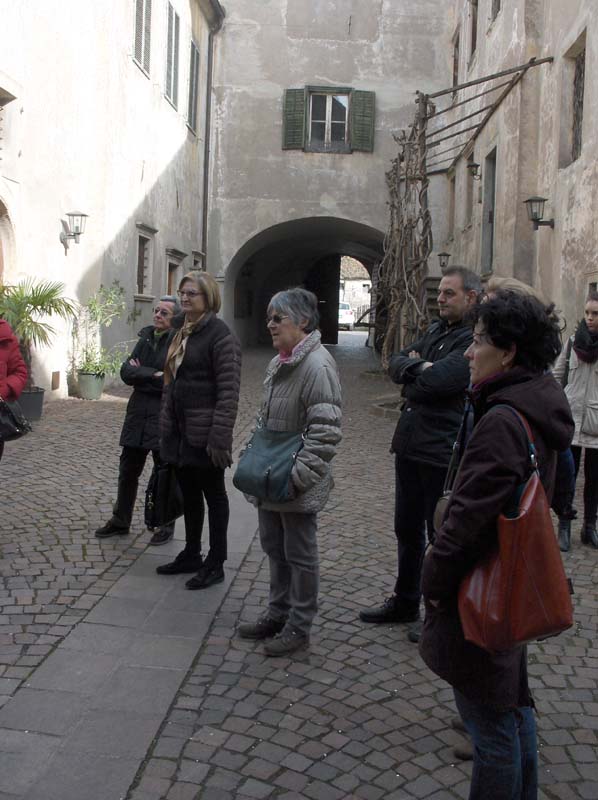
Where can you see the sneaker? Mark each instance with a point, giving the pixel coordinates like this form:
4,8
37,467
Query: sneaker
112,528
207,576
415,631
286,642
264,628
183,563
391,610
162,536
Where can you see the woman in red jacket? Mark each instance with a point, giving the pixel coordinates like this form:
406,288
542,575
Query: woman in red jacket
13,372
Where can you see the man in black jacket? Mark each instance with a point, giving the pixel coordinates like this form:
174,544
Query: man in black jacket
143,370
434,375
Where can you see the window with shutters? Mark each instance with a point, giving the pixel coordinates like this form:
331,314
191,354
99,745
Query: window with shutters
193,87
172,57
473,21
571,118
144,245
143,25
328,120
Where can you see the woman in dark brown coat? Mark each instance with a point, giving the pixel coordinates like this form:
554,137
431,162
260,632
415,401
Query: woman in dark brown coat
199,408
516,338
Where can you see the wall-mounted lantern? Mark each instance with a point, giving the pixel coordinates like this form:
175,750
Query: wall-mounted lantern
73,228
474,170
535,212
443,259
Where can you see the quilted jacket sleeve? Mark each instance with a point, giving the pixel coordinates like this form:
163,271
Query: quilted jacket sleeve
13,383
321,396
227,371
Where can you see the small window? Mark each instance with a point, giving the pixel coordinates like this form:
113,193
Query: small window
172,57
578,92
193,87
451,207
456,54
473,16
144,245
469,191
495,8
143,24
328,120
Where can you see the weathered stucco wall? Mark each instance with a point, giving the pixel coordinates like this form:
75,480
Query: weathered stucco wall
90,131
383,46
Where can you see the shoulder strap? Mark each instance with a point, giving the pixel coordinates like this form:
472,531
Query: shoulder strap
528,432
565,379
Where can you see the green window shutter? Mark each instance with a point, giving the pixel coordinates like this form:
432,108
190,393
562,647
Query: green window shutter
293,120
363,105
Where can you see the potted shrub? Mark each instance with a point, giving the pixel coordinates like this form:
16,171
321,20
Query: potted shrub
92,362
24,306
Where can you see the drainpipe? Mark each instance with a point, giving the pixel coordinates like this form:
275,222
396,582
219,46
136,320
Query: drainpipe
214,28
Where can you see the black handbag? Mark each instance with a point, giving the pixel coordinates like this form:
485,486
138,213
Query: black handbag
13,424
264,467
163,497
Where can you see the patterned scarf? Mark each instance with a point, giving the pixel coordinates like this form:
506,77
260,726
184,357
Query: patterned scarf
176,351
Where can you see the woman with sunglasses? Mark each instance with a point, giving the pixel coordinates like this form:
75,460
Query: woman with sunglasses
143,370
302,393
202,379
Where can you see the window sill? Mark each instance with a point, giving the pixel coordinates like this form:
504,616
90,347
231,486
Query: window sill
144,298
170,103
336,150
139,67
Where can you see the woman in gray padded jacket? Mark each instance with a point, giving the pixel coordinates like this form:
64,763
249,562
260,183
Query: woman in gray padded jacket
302,393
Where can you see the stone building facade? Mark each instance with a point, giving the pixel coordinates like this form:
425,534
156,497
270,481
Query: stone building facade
541,141
104,109
308,95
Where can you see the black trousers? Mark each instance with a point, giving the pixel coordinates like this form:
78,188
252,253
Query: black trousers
590,475
197,483
417,490
132,462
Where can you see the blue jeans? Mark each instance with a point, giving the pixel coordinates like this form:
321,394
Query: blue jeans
505,757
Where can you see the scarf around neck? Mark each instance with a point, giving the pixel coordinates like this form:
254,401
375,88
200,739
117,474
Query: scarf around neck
176,351
585,343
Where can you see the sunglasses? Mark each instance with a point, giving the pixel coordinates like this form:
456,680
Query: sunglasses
162,312
276,318
191,293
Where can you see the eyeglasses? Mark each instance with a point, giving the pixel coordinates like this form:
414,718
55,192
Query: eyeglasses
191,293
162,312
276,318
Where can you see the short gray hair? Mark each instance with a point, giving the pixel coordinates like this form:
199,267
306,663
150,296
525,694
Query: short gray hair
298,304
171,298
470,280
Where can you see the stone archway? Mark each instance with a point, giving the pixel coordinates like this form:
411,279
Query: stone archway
6,241
298,252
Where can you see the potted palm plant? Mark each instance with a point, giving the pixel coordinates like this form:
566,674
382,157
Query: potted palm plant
24,306
92,362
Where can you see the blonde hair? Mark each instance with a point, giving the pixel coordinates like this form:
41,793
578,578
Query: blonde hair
208,285
496,283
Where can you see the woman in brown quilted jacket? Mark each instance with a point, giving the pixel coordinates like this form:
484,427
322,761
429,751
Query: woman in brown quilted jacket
199,408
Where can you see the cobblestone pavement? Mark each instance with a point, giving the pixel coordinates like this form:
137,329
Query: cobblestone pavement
358,716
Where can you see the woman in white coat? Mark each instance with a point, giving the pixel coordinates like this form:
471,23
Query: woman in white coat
577,370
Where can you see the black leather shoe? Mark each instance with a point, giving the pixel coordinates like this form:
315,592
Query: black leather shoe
391,610
111,529
162,536
589,535
183,563
207,576
565,535
263,628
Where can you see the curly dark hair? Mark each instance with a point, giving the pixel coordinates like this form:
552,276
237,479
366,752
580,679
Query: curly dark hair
511,318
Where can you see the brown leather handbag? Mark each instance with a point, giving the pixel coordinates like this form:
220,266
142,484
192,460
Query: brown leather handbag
519,592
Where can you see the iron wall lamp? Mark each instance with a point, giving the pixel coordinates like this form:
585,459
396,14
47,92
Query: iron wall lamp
443,259
474,171
73,228
535,212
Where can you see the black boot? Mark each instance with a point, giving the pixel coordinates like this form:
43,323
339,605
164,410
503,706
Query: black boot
589,534
564,535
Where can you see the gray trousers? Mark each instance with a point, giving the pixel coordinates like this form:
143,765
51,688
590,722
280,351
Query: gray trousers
289,540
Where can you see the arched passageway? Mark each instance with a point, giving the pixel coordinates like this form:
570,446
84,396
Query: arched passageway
303,252
6,240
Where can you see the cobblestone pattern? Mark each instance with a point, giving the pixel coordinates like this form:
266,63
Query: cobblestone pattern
58,486
359,716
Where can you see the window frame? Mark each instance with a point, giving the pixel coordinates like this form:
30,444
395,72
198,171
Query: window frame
193,99
328,146
147,234
142,35
171,82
